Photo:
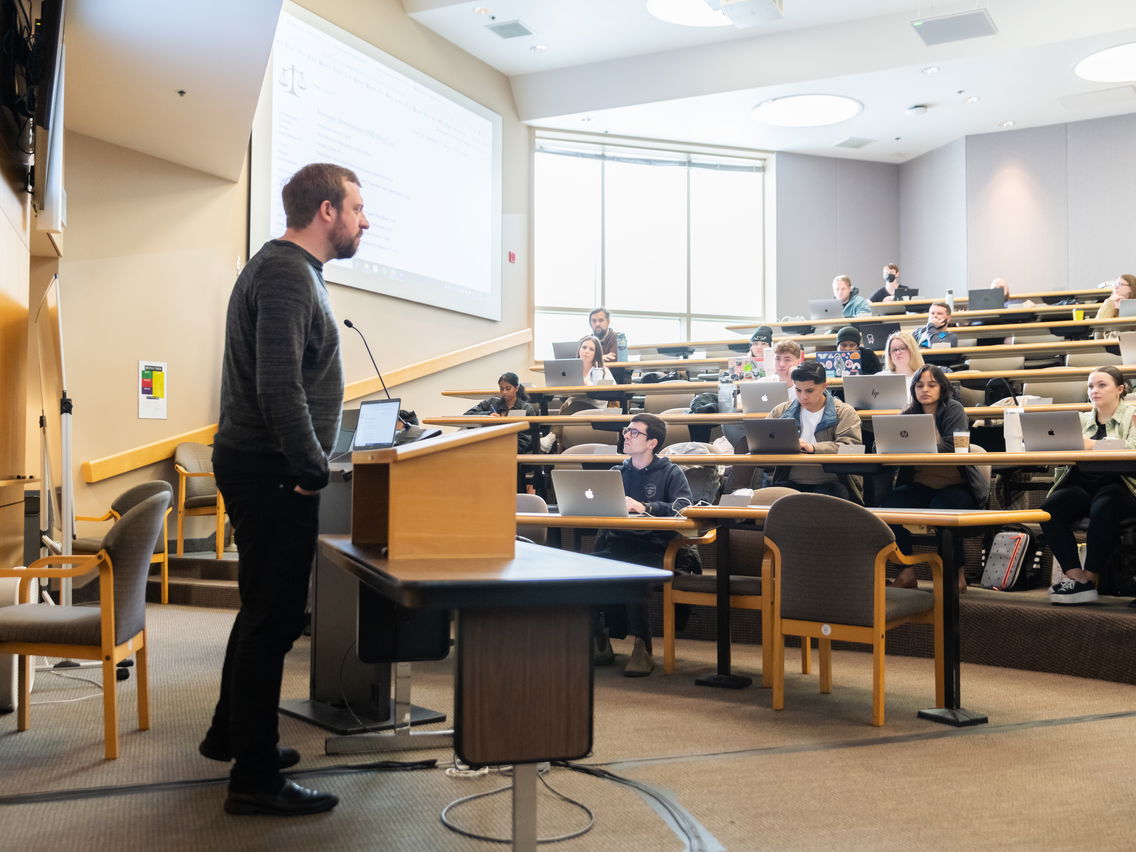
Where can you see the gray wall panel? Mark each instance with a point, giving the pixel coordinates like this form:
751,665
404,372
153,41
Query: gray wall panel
932,221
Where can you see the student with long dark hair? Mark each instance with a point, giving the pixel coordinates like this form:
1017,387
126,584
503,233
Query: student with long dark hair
936,486
1104,498
512,398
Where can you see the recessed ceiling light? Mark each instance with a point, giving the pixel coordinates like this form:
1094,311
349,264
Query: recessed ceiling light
1114,65
806,110
585,119
538,48
973,99
688,13
931,69
1006,124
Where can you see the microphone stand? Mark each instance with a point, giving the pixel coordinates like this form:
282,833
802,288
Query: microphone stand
378,373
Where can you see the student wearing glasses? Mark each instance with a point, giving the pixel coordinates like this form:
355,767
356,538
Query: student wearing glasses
935,486
902,357
656,486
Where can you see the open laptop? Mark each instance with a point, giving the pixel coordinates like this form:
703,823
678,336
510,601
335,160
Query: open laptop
986,299
905,433
1051,430
826,309
883,309
761,397
868,393
874,335
1127,308
590,492
773,436
1127,341
378,419
565,348
564,371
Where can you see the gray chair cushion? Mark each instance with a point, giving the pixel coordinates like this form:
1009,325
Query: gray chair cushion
198,502
131,497
707,583
196,458
904,602
57,625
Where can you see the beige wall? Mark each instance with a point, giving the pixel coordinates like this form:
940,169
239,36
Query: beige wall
152,251
14,253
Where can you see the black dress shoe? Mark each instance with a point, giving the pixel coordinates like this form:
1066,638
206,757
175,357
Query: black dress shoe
289,800
285,756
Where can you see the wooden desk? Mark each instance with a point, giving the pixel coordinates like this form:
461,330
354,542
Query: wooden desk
945,522
1044,296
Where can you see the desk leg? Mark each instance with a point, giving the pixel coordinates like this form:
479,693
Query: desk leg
524,807
723,679
952,713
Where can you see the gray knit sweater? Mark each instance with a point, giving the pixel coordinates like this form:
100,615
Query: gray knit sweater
282,378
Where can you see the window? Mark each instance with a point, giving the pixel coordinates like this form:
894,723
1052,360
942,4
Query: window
672,242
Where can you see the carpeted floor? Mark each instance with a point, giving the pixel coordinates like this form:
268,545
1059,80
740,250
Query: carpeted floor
712,769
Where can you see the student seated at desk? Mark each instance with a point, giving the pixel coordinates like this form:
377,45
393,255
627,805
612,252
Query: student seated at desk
595,372
654,485
1122,288
936,334
825,422
787,354
934,486
902,357
1104,498
848,339
852,303
761,339
512,398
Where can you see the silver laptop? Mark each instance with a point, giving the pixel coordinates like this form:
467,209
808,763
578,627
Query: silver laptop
735,499
986,299
905,433
1044,431
590,492
823,309
883,309
1127,308
564,371
761,397
873,393
565,348
1127,346
773,436
378,419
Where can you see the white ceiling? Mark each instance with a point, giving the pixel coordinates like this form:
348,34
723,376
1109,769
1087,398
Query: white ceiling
612,68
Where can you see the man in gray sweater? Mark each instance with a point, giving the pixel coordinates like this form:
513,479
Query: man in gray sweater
281,395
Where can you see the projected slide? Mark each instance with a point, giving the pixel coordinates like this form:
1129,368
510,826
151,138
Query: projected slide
428,159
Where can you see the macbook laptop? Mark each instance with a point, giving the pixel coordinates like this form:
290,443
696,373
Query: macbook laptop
1127,347
590,492
761,397
565,348
773,436
346,437
874,335
378,419
735,433
564,371
905,433
1051,430
824,309
986,299
734,499
868,393
1127,308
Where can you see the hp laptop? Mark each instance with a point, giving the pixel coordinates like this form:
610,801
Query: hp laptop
1051,430
905,433
590,492
1127,308
986,299
761,397
873,393
826,309
565,348
874,335
773,436
378,419
564,371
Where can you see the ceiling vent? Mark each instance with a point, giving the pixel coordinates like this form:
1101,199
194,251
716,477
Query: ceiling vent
1099,98
947,28
510,29
853,142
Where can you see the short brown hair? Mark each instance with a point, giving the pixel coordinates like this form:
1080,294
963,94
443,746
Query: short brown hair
656,427
790,346
310,187
892,266
943,305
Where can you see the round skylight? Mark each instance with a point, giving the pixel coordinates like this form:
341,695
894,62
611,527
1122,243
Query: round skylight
806,110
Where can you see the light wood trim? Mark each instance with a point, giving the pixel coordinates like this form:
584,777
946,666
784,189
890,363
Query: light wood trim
440,444
97,470
969,518
887,460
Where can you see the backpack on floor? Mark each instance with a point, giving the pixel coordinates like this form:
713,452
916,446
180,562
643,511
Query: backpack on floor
1011,561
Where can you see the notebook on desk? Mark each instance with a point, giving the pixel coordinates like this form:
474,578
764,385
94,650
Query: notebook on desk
590,492
564,371
867,393
378,419
905,433
1046,431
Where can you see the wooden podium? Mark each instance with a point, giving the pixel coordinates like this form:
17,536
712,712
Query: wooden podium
434,527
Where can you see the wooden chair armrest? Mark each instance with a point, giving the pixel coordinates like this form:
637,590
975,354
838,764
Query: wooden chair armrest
932,559
42,567
678,542
183,472
108,516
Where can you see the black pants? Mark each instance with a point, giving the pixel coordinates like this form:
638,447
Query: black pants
1104,506
631,619
276,531
915,495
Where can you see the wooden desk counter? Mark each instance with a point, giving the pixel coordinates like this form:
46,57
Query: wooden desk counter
687,526
1043,296
858,459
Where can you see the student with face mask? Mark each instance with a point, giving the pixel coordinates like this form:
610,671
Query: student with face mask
892,290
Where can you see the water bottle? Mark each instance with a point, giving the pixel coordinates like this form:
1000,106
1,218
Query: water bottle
620,346
951,300
595,375
725,392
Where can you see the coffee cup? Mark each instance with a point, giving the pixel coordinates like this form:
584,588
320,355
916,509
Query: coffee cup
962,442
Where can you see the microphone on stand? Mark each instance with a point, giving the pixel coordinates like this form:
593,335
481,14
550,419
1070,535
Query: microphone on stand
378,373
